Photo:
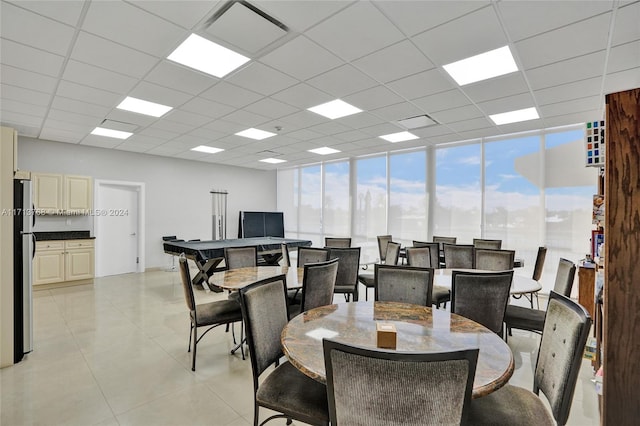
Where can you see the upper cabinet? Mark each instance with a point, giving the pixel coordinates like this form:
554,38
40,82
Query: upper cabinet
62,194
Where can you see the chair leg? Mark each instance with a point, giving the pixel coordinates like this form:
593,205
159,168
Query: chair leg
255,414
190,335
195,346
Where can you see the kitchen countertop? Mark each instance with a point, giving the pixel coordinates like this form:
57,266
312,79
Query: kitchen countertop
63,235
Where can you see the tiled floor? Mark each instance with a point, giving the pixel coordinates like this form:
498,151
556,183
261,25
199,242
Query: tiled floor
114,353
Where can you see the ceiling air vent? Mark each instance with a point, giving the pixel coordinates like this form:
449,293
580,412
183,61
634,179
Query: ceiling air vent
118,125
417,122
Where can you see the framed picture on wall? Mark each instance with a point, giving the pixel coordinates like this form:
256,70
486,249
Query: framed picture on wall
597,244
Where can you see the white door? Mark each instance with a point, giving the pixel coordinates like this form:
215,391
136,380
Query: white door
117,236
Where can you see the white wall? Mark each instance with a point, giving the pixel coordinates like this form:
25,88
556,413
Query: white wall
177,191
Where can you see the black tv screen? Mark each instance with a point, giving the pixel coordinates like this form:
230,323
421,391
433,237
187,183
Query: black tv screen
261,224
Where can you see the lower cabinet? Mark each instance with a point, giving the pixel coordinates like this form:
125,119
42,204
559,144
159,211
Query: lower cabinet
62,261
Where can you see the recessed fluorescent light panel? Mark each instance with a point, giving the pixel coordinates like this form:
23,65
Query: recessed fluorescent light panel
118,134
399,137
144,107
325,150
207,149
335,109
256,134
273,160
483,66
206,56
515,116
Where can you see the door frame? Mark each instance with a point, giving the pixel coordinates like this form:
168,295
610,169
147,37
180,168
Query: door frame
139,187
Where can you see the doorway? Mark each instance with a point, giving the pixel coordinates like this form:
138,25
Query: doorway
119,227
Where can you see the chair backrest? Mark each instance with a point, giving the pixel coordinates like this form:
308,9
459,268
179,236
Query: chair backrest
406,284
186,283
434,252
312,255
458,256
286,259
409,388
418,256
494,260
566,329
564,277
337,242
383,240
318,284
444,240
348,264
240,257
481,296
264,312
537,269
487,244
393,253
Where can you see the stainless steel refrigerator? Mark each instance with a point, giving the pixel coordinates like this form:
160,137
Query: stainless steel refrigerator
24,248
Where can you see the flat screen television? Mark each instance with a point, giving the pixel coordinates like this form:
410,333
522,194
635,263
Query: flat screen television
261,224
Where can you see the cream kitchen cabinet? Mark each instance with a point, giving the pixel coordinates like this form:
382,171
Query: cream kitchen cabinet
62,194
61,261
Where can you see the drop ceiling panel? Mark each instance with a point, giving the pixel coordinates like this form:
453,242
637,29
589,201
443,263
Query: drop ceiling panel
130,117
65,11
133,147
27,79
301,15
394,62
457,114
271,108
422,84
355,31
165,151
572,90
59,135
563,72
185,13
623,80
329,128
360,120
24,95
171,126
169,74
466,36
624,57
526,19
15,119
509,103
302,96
118,125
627,28
351,136
160,94
66,104
342,81
416,16
304,134
208,108
301,58
208,134
382,129
579,117
397,112
89,75
232,27
92,95
186,117
568,107
29,58
574,40
442,101
223,126
262,79
133,27
23,107
34,30
107,54
498,87
376,97
229,94
303,119
158,134
74,118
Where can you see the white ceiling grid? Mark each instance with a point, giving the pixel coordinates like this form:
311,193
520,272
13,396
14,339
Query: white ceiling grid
66,65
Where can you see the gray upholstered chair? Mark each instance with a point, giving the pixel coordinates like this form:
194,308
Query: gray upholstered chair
337,242
285,389
423,255
564,335
209,315
348,266
533,319
406,284
481,243
481,297
419,257
434,252
240,257
383,240
493,259
444,240
312,255
376,387
318,284
390,258
286,259
458,256
537,274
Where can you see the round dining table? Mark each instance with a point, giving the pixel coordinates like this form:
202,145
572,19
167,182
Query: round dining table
419,329
235,279
519,285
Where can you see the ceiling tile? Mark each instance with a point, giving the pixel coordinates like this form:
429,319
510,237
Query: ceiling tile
112,56
304,134
301,58
159,94
24,95
527,18
329,128
416,16
170,126
572,90
566,71
422,84
27,79
60,135
92,95
133,27
23,107
34,30
398,111
30,59
360,120
627,28
207,134
170,74
469,35
568,42
52,123
271,108
224,127
575,105
498,87
186,117
206,107
382,129
574,118
457,114
64,11
158,134
231,27
351,136
624,57
441,101
75,118
18,120
301,15
508,103
88,75
342,81
376,97
303,119
186,13
130,117
623,80
302,96
246,118
261,79
229,94
394,62
355,31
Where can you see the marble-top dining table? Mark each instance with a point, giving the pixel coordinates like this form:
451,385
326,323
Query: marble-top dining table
235,279
419,328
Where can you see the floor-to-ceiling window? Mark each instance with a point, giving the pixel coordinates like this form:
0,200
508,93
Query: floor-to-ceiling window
408,197
370,210
310,209
336,207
